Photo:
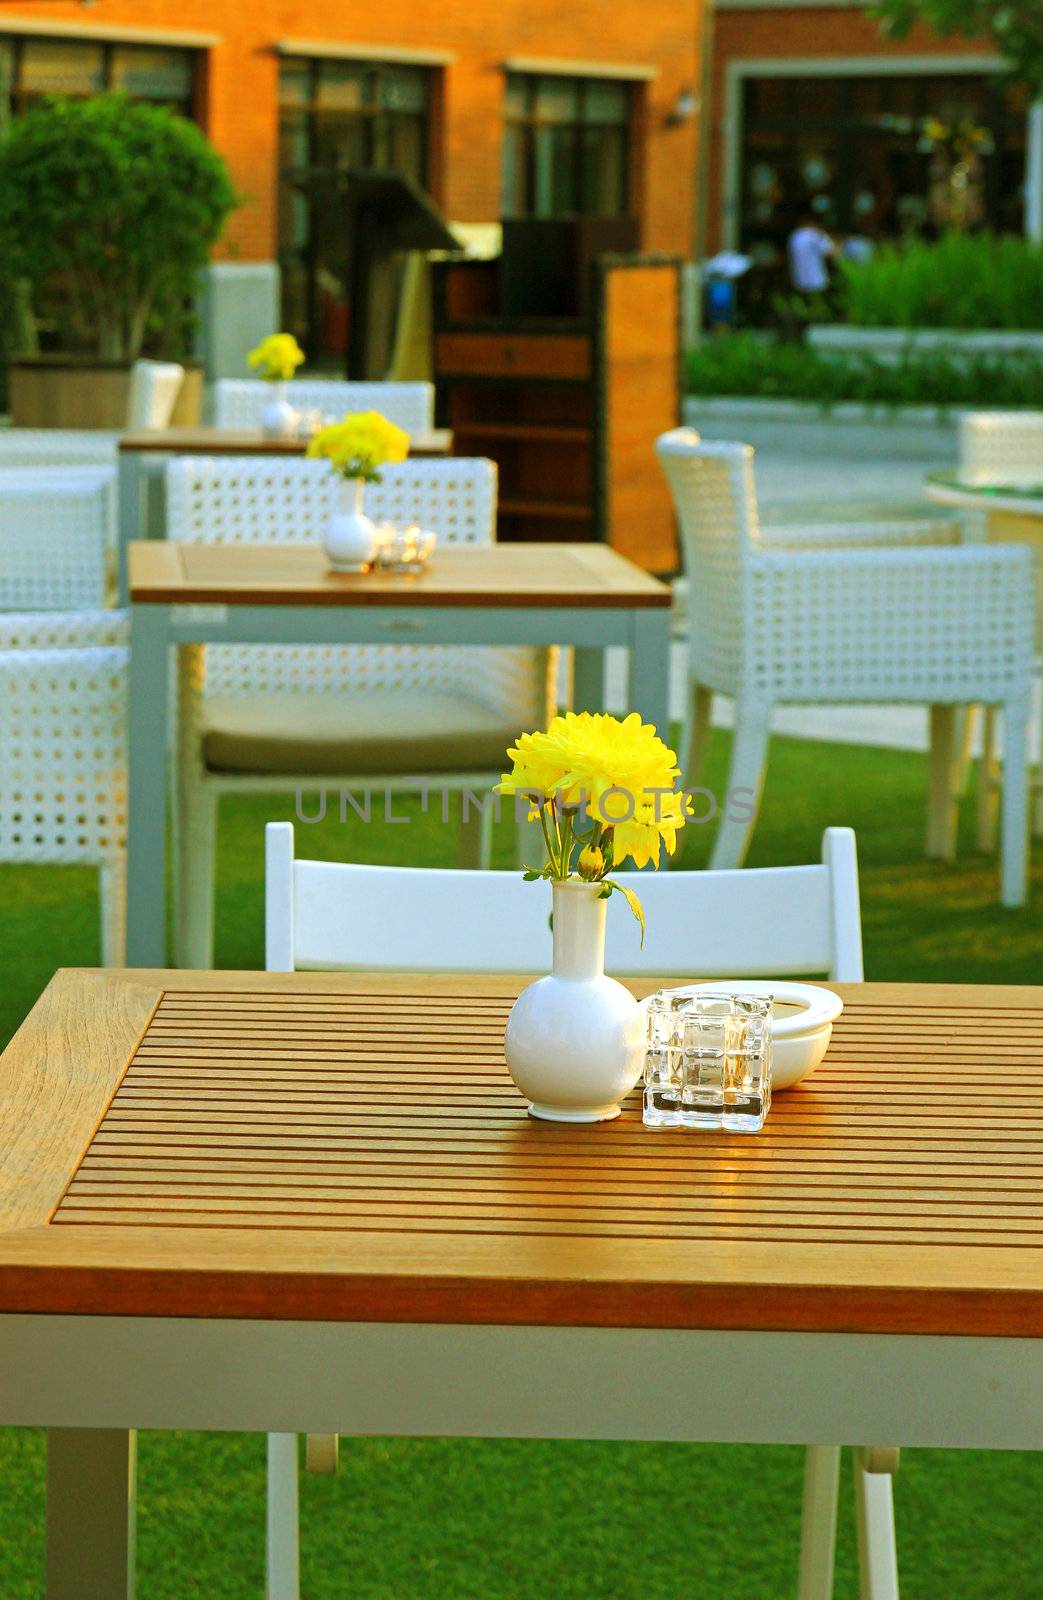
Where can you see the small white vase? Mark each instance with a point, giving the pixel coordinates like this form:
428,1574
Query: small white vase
350,543
575,1040
278,418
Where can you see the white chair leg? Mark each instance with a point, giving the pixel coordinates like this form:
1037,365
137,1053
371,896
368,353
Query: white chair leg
941,804
282,1556
194,889
819,1522
875,1525
112,889
967,720
739,804
696,733
1014,844
988,781
476,833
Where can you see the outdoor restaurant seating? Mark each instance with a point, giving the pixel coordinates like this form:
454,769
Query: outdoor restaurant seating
53,539
238,402
940,625
281,718
323,916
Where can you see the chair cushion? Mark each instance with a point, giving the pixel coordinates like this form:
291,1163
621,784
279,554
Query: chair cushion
381,732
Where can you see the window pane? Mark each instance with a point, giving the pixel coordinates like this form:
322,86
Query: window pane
557,100
403,89
515,196
403,147
606,101
604,172
61,66
152,74
341,87
294,83
341,141
516,95
555,163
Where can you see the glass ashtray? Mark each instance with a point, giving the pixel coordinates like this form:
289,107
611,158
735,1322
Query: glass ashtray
404,549
708,1060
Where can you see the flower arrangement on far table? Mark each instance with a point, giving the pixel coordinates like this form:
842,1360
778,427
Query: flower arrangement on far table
604,791
276,358
357,448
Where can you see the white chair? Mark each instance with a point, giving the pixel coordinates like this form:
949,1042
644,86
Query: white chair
768,922
154,388
238,401
264,718
63,773
1000,448
54,539
57,447
943,626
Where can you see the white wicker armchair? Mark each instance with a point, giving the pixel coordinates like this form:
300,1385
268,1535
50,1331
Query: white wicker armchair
63,776
54,529
238,401
154,388
1002,447
945,626
266,718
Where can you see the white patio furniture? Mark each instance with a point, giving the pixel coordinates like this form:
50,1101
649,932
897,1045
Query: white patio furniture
154,388
322,916
945,626
54,528
1002,447
238,401
63,771
258,719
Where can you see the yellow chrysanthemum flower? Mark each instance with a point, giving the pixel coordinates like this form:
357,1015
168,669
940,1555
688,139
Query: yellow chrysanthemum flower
277,357
621,773
360,445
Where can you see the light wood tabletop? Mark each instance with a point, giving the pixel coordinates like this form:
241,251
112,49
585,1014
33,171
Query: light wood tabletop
350,1147
252,442
526,575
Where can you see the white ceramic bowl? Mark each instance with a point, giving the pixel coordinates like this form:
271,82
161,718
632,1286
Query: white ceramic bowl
803,1015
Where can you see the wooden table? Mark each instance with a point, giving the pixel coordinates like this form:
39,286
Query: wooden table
315,1202
143,455
586,596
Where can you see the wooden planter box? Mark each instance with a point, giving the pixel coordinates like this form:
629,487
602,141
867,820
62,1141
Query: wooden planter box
76,392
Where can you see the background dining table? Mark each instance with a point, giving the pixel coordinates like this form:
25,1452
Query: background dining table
585,596
142,454
310,1202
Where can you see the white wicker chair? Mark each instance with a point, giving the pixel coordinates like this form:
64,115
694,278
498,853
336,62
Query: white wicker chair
1002,447
63,776
238,401
54,529
944,626
154,388
57,447
264,718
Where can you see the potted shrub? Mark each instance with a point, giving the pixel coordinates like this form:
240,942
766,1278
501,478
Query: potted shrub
108,209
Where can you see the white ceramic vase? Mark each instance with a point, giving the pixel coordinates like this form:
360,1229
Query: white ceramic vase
575,1040
278,418
350,543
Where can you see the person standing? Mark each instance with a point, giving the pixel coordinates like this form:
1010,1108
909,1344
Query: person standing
810,249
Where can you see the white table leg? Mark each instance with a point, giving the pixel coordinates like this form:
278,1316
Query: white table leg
875,1524
650,668
90,1513
588,679
282,1564
147,811
131,510
819,1522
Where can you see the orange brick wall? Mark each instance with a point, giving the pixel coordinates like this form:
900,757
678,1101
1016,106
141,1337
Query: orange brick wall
797,31
240,112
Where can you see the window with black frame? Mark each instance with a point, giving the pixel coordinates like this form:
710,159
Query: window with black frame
338,115
567,144
33,69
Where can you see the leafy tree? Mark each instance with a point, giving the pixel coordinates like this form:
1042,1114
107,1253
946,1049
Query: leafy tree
111,207
1014,26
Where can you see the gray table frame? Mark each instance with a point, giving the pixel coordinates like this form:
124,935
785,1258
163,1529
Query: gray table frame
156,627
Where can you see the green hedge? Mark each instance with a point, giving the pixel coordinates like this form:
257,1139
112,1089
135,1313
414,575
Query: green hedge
966,280
751,365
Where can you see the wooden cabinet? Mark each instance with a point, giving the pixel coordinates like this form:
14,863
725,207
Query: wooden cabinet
568,407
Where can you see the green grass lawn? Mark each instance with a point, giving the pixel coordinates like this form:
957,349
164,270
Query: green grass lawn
434,1520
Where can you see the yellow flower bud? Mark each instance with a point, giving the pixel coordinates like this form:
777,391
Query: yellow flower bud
591,862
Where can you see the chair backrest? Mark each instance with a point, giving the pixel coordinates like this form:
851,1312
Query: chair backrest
246,499
63,712
1000,447
763,922
715,498
154,388
238,401
53,538
25,448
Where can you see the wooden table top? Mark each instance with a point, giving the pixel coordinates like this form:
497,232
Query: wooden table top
349,1146
563,575
252,442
